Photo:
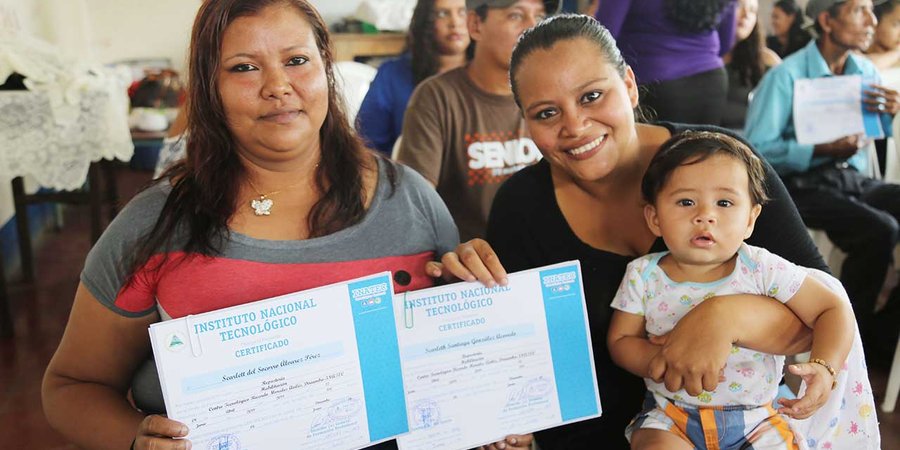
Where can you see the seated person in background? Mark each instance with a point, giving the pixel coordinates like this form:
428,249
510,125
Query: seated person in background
675,49
745,64
788,34
436,42
885,48
463,131
704,191
828,182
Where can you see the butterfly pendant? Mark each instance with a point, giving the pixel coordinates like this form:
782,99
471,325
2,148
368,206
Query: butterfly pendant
262,206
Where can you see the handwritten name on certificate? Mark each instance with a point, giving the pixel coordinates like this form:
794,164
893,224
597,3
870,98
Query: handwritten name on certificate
314,369
480,363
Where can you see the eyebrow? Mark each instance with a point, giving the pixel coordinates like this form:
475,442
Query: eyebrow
253,55
692,190
578,88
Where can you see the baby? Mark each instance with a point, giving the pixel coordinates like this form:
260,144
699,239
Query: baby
704,192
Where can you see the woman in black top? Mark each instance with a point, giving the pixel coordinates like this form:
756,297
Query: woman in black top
745,64
582,201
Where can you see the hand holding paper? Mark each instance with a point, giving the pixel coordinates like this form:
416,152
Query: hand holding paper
882,99
830,109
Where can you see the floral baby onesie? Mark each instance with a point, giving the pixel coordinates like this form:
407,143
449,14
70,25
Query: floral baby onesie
750,377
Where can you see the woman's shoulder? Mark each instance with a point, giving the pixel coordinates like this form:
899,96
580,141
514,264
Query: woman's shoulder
527,187
405,183
393,72
769,57
145,207
136,219
452,83
405,178
401,63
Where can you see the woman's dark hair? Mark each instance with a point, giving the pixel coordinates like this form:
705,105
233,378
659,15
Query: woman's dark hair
420,41
562,28
695,16
565,27
884,8
797,37
691,147
746,58
790,7
206,183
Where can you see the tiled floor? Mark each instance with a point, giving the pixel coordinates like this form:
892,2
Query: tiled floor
40,314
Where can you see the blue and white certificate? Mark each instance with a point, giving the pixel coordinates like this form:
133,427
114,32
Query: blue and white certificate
315,369
480,364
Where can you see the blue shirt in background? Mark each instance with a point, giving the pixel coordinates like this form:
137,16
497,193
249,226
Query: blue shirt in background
770,121
380,118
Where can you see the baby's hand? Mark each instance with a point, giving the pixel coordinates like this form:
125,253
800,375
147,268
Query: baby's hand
818,388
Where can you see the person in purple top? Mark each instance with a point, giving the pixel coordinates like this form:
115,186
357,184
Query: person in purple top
675,48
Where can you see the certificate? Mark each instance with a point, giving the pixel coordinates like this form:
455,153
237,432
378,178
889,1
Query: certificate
479,363
829,108
315,369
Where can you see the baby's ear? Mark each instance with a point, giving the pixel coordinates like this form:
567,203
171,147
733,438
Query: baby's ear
652,219
754,214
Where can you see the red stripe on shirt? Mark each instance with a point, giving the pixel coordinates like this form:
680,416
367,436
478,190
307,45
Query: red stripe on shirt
196,285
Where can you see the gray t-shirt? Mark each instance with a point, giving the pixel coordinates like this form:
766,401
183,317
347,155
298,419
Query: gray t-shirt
406,226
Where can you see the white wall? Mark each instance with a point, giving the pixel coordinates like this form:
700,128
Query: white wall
114,30
333,10
129,29
20,15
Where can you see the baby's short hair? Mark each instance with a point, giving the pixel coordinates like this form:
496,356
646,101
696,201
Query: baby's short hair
691,147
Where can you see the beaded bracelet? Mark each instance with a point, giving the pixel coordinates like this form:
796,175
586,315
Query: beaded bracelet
827,367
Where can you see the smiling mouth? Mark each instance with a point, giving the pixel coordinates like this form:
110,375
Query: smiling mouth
587,147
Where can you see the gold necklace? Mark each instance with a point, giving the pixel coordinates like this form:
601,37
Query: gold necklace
262,205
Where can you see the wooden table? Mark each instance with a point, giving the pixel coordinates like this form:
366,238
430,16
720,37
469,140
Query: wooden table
349,46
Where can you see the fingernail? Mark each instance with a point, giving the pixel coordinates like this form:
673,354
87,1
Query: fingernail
501,445
188,445
184,431
504,281
513,441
